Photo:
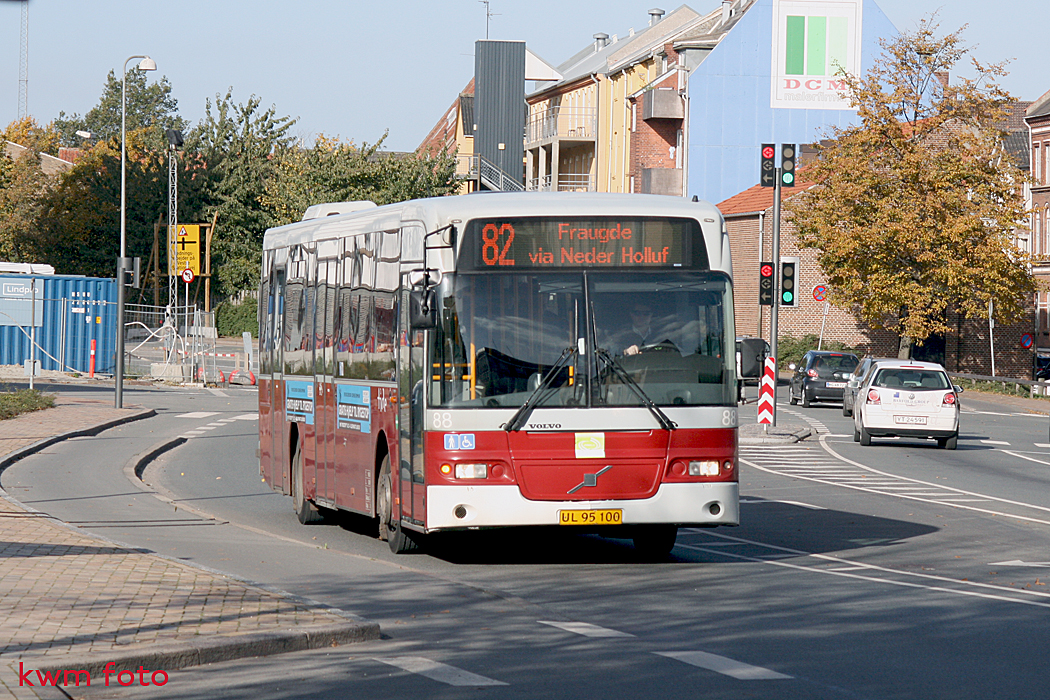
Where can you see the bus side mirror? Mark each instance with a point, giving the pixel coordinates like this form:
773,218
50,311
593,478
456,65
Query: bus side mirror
421,309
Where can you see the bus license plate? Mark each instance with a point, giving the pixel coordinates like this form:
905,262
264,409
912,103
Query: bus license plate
910,420
591,517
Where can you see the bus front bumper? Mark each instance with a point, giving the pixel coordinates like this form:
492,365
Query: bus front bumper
457,507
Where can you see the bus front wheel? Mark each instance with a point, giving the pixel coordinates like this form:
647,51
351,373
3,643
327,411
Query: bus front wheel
655,540
390,528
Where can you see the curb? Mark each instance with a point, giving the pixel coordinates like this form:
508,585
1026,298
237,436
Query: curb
24,452
175,656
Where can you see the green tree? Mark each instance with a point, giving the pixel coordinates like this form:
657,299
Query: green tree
916,207
23,186
150,108
334,171
234,149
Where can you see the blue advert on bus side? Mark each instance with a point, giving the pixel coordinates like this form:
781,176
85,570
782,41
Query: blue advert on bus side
299,401
354,407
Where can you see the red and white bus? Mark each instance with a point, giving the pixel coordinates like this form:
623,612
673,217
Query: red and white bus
497,360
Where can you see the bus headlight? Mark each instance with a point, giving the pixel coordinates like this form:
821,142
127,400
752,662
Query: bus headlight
707,467
472,471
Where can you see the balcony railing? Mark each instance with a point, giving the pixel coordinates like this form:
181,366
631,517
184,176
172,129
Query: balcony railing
567,182
562,123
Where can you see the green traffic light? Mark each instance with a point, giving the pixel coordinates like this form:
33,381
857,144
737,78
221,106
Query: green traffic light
788,297
789,179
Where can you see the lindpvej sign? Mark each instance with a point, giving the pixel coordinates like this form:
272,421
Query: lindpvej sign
16,302
813,42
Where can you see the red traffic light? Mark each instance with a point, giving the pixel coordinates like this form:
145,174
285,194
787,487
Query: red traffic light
768,152
767,270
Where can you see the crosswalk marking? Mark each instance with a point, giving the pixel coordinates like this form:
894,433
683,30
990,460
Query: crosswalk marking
435,671
994,442
198,414
247,416
586,629
723,665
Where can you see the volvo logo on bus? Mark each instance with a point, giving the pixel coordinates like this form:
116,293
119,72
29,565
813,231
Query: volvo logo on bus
589,480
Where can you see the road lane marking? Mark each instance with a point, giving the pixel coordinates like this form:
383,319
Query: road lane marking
994,442
247,416
1018,562
927,582
585,629
435,671
871,480
198,414
725,666
790,503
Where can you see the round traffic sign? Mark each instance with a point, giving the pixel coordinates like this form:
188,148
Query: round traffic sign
187,275
1027,340
820,292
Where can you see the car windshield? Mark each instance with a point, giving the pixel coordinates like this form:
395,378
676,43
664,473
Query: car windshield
668,333
916,379
831,365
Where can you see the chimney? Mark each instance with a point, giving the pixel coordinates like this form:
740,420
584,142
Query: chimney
655,15
727,11
942,75
601,40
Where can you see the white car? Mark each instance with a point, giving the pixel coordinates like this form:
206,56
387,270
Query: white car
903,398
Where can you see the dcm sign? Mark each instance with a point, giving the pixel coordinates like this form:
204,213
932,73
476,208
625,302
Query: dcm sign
813,43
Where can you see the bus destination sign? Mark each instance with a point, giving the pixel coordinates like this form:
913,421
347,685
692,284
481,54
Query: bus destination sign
559,243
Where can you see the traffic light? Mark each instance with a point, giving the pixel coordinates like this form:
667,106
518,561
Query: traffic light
768,173
789,282
787,164
765,284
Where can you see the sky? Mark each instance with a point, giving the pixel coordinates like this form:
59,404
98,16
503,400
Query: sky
356,69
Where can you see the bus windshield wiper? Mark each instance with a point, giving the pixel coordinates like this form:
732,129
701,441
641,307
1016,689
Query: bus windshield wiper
661,417
518,420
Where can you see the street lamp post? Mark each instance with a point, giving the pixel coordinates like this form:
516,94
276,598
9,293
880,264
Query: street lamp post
146,63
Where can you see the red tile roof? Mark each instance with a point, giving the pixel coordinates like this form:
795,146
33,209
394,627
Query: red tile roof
759,198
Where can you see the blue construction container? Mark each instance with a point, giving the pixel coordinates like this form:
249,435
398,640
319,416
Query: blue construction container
69,313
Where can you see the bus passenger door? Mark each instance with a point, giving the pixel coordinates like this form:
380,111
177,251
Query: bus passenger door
278,429
411,382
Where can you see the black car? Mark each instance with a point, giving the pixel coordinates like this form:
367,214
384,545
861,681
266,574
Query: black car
821,376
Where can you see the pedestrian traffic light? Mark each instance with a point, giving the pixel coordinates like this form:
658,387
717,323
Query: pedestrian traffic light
768,173
789,282
765,284
787,164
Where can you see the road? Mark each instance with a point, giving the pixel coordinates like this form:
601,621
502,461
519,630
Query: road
891,571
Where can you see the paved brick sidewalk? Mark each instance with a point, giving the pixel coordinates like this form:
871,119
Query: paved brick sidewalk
72,601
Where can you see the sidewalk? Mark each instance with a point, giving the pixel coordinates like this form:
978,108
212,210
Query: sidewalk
72,601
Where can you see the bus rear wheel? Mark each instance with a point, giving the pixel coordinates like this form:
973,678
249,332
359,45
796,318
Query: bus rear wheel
390,528
655,540
305,511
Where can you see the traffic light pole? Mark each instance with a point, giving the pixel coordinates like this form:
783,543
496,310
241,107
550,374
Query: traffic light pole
774,311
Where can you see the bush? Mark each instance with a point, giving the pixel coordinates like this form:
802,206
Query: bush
235,319
792,349
13,403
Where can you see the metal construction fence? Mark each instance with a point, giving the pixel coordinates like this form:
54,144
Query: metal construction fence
175,343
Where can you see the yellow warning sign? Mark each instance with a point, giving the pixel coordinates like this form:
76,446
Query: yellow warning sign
184,249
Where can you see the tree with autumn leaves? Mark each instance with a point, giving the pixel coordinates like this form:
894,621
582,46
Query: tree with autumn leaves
916,207
240,164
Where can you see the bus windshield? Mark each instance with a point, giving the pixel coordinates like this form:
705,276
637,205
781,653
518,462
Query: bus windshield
668,333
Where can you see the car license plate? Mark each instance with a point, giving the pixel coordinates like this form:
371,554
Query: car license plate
610,516
836,385
910,420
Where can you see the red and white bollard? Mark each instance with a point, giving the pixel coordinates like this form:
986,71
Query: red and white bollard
91,365
767,393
